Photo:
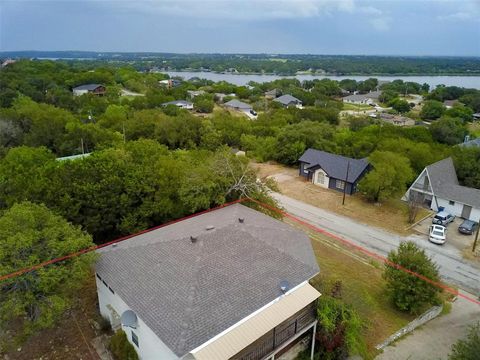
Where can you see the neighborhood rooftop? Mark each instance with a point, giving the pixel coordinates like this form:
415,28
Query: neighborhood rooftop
287,99
237,104
335,165
360,97
191,280
445,184
89,87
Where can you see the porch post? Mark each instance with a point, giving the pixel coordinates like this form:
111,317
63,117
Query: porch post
313,340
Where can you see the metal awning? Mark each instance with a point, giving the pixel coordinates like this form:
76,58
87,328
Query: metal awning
244,334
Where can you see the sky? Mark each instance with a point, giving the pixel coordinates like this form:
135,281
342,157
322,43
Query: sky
350,27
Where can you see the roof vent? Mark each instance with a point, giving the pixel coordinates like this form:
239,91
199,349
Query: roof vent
241,220
284,286
129,318
114,245
193,239
210,227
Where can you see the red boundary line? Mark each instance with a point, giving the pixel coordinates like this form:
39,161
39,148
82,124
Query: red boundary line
266,206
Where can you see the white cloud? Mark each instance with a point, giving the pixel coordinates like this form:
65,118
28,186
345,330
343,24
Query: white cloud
381,24
456,16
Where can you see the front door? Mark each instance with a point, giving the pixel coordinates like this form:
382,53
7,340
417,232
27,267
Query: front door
466,211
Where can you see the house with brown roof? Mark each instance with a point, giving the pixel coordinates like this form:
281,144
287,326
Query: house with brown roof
231,283
95,89
438,188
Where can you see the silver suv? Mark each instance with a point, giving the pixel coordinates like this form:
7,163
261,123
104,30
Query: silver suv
443,218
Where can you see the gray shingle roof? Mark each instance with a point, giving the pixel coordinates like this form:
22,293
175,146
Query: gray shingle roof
178,102
237,104
335,165
361,97
471,143
287,99
189,292
89,87
444,182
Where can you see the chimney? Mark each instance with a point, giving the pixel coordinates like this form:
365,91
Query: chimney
241,220
193,239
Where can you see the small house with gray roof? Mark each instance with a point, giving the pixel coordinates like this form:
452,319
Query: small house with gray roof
95,89
370,98
288,100
438,188
332,171
231,283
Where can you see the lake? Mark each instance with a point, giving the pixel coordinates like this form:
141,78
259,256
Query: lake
243,79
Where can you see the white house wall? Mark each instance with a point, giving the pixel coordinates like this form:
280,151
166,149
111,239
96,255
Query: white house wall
326,178
150,346
457,209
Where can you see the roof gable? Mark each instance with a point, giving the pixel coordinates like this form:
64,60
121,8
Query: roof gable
234,103
335,165
287,99
89,87
189,292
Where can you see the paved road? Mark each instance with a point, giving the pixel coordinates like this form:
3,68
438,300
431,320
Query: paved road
453,268
435,339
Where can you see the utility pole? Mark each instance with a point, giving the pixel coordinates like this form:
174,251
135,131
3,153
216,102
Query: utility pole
476,238
346,182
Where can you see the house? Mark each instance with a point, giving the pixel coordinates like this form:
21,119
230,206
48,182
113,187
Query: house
476,116
396,120
182,104
437,187
7,62
95,89
221,96
450,103
170,83
470,143
73,157
194,93
330,170
272,94
288,100
367,99
237,152
231,283
238,105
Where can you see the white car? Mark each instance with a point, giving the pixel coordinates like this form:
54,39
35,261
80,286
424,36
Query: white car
438,234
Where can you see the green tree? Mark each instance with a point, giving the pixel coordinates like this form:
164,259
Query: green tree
399,105
409,292
431,110
31,234
461,112
203,104
391,172
448,130
469,348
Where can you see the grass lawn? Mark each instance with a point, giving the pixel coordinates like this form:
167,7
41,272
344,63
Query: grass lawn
349,106
390,215
362,288
474,128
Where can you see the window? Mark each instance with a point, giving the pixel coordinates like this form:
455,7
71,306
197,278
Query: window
111,290
340,184
104,283
451,202
320,177
135,338
98,276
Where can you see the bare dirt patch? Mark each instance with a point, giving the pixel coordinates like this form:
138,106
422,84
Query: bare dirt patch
70,339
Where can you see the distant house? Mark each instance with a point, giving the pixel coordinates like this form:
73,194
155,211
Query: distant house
396,120
437,187
73,157
288,100
95,89
221,96
272,94
330,170
450,103
237,152
170,83
366,99
238,105
227,284
476,116
7,62
194,93
183,104
471,143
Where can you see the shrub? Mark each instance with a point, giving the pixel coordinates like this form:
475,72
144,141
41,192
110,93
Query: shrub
469,348
408,292
120,347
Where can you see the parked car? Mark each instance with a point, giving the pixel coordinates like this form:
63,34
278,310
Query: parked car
468,227
443,218
438,234
253,112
